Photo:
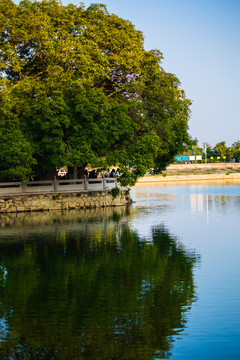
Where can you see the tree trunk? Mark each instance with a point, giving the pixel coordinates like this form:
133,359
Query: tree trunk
72,172
81,171
44,174
76,171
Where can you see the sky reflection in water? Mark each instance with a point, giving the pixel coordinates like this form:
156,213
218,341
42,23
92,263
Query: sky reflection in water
205,218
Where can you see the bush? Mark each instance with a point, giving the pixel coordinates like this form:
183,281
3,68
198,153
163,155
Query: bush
115,192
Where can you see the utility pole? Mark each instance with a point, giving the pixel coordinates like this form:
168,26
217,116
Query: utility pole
205,151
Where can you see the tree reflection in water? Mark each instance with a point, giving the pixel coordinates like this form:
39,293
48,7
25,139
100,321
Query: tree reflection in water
92,292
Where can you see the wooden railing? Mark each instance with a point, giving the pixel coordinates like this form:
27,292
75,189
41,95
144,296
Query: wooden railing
48,186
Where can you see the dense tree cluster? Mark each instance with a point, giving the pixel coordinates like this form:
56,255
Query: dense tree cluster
223,152
77,87
218,153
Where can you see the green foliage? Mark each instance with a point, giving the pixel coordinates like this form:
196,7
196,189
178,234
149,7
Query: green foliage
220,150
55,197
16,152
225,152
83,90
115,192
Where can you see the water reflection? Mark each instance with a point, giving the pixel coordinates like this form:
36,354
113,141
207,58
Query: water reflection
85,286
194,198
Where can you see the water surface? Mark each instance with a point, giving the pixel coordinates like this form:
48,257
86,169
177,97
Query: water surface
205,217
157,280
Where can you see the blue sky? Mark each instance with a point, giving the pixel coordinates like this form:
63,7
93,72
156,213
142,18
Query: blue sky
200,42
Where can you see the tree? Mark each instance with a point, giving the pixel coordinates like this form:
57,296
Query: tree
16,155
220,149
235,150
85,91
194,149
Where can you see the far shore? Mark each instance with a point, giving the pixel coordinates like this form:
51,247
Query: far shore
195,172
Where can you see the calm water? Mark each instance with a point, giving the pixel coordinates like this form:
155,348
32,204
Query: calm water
160,280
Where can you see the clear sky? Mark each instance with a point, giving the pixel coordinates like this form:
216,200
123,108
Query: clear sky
200,42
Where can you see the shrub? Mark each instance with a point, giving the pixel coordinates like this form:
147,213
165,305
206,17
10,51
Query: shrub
114,192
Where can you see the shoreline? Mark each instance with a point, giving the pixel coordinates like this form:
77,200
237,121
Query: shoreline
195,172
187,178
204,167
17,203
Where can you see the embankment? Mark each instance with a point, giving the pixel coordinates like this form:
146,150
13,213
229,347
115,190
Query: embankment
203,167
195,172
62,201
172,178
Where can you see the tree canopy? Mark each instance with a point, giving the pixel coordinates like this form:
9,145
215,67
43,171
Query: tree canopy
77,87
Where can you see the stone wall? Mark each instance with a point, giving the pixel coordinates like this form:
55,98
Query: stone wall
62,201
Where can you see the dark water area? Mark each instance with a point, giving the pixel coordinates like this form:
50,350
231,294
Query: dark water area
158,280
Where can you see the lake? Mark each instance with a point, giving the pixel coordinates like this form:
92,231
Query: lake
157,280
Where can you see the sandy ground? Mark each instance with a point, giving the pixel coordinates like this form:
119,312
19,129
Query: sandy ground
203,167
196,172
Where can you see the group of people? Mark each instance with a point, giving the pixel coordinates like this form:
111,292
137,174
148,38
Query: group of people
94,174
112,173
